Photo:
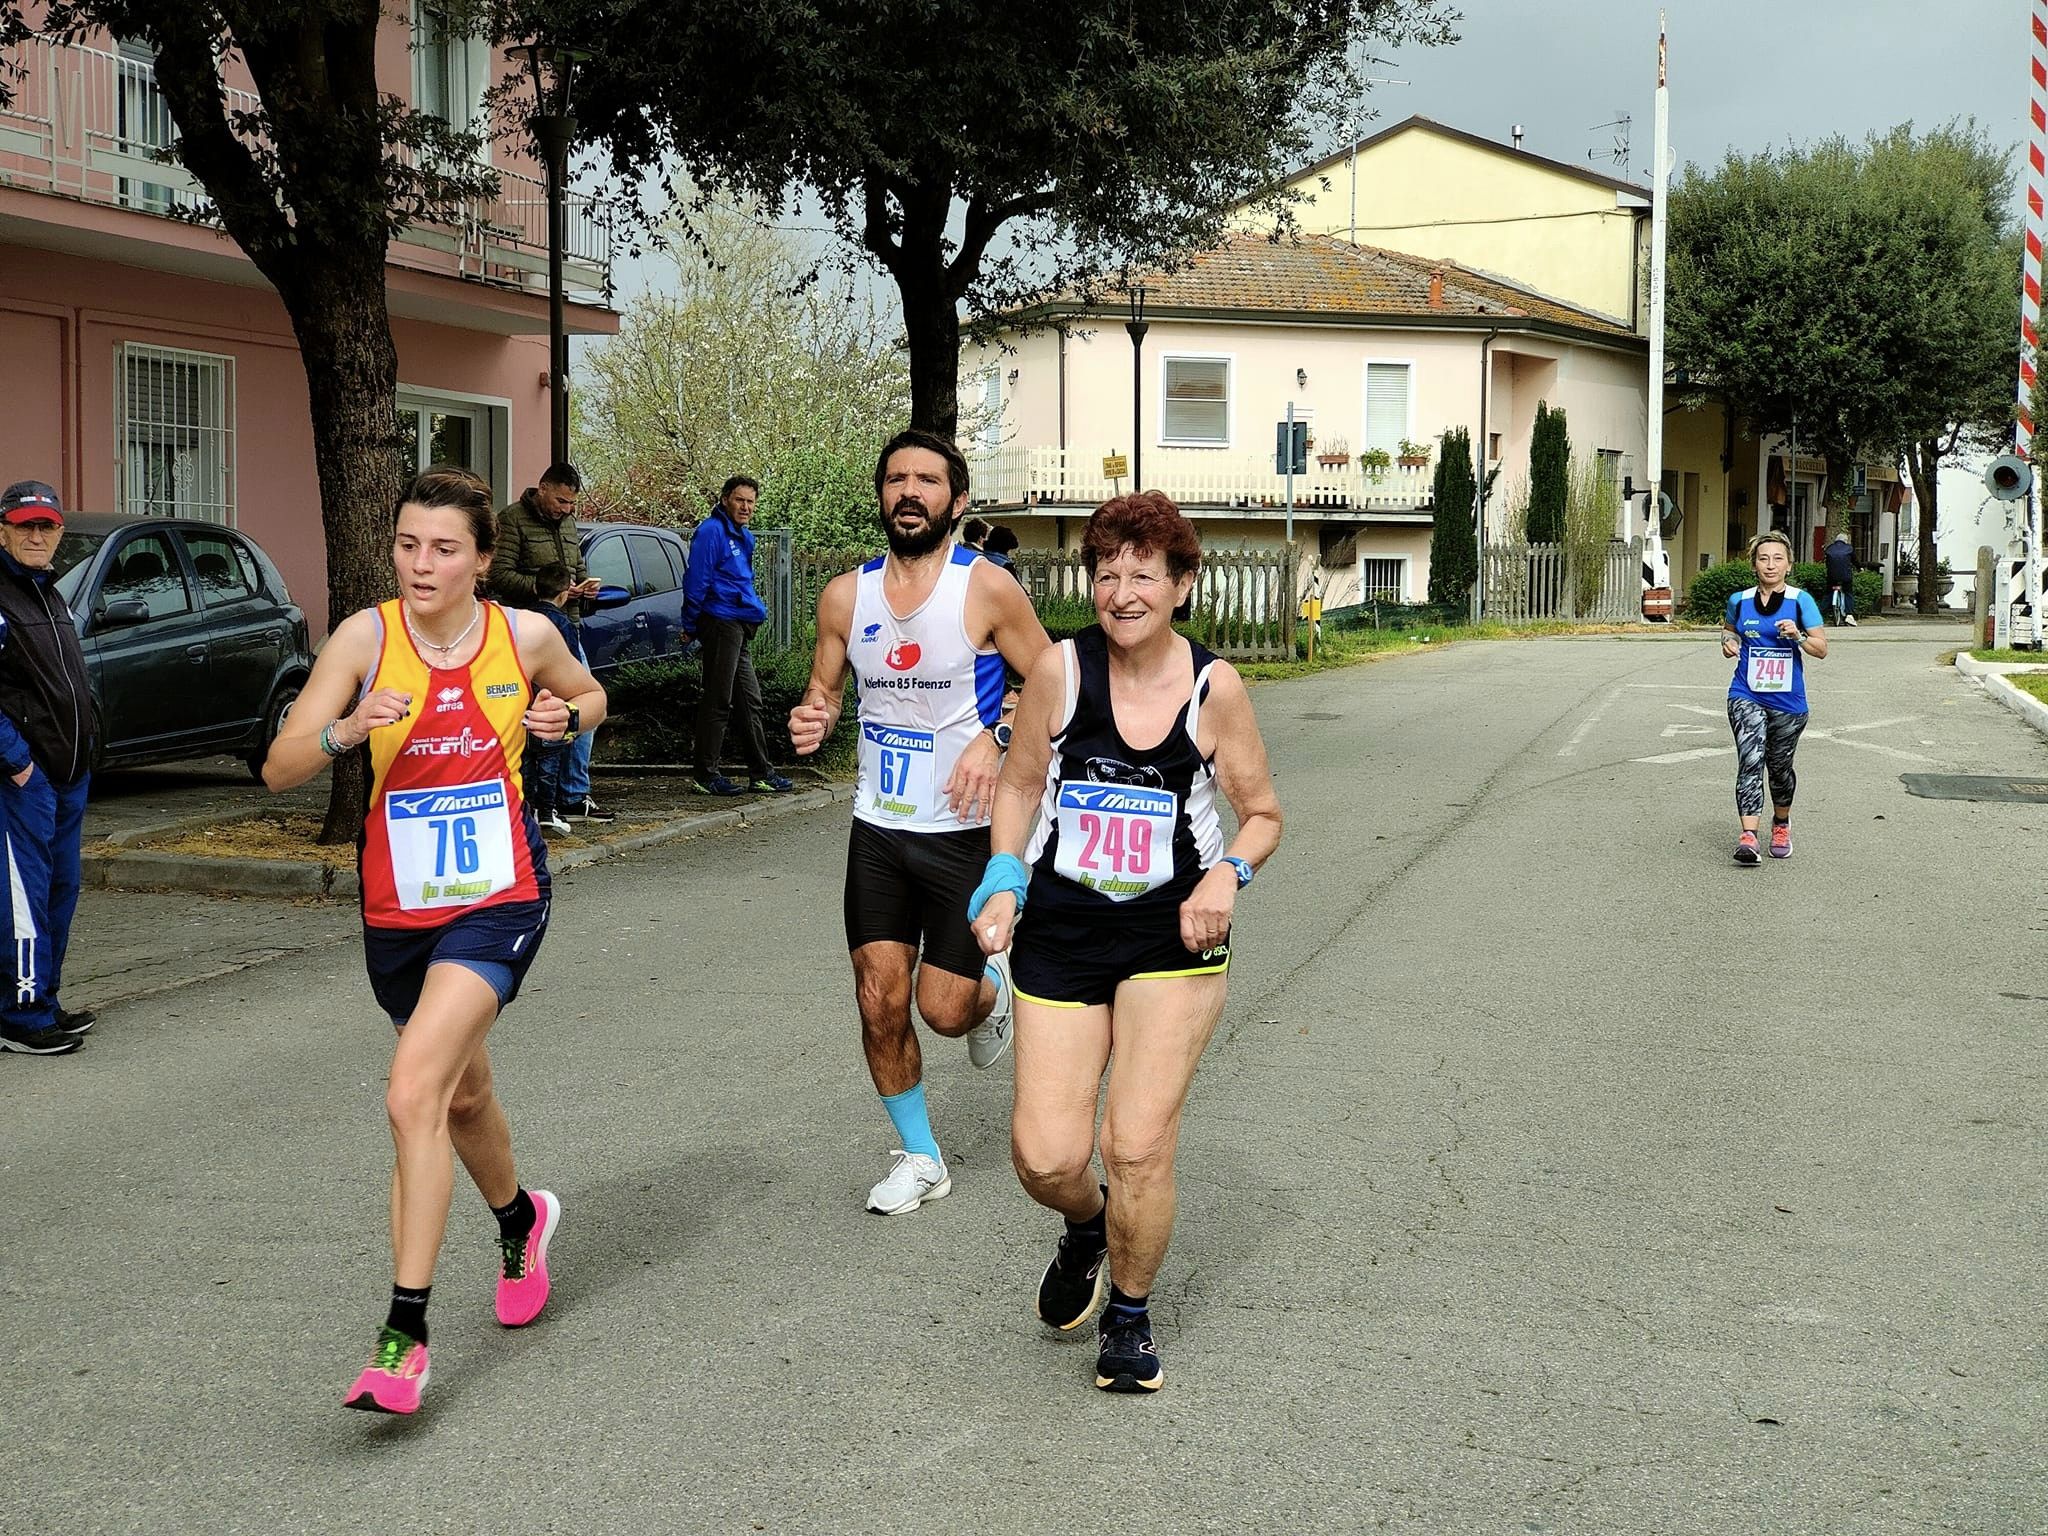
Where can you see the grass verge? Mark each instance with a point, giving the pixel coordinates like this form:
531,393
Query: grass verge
2035,683
2033,658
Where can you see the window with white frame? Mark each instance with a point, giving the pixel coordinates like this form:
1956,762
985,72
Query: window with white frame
991,434
448,69
1383,579
1389,397
175,432
1194,401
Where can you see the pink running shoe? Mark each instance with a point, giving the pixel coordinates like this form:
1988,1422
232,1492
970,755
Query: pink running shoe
1745,850
523,1274
395,1377
1781,840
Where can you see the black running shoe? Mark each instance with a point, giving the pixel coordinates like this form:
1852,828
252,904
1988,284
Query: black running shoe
1129,1361
77,1022
51,1041
1074,1282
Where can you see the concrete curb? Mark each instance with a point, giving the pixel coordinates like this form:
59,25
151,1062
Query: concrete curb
1990,676
126,869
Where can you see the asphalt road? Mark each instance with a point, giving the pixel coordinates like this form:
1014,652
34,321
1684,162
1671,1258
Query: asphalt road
1548,1174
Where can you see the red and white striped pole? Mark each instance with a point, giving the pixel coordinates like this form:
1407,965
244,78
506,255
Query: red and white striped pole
2030,325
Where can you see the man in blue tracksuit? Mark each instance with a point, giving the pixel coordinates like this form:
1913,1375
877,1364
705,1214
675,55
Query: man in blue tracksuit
722,609
45,744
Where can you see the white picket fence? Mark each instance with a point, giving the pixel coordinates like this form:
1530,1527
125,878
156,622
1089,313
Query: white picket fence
1548,581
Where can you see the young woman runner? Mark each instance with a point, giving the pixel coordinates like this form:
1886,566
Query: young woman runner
1768,631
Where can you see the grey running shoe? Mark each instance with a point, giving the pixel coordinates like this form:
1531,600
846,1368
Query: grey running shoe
987,1041
914,1180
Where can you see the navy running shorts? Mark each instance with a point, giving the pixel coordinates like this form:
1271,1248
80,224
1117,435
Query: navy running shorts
497,943
913,888
1064,961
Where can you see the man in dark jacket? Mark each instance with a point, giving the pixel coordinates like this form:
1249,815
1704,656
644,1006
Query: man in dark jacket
539,530
45,745
1841,578
722,609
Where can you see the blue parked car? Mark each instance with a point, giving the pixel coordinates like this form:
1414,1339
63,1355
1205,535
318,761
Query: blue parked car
639,614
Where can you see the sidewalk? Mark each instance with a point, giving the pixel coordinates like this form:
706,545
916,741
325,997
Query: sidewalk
185,804
1991,677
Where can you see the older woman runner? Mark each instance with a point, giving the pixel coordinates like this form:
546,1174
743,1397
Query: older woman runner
1123,737
1768,631
443,689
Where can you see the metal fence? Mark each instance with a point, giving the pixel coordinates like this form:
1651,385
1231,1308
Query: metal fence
1245,605
1556,581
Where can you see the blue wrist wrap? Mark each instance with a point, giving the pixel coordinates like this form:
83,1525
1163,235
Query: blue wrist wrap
1005,872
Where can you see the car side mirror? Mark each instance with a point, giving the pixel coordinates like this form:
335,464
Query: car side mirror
609,596
120,613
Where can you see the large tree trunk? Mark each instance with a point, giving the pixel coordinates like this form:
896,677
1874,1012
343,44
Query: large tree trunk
931,324
352,385
1923,463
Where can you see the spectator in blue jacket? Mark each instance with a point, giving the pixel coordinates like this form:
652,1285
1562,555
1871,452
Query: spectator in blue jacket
721,609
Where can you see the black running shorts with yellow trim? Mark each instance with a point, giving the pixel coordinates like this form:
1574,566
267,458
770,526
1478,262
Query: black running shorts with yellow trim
913,888
1064,962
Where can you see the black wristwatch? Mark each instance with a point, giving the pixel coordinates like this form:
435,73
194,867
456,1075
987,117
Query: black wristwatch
1000,731
575,725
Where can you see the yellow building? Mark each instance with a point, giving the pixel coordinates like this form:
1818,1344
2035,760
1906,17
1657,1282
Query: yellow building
1433,191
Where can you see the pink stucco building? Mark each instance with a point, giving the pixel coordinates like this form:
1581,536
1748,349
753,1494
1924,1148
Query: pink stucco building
149,366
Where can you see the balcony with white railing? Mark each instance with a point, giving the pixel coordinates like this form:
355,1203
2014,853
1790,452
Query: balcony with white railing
91,124
1020,476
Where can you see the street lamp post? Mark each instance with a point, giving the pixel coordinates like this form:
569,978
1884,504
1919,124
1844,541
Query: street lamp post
552,69
1137,326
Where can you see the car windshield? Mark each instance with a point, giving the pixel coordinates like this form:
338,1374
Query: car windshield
70,559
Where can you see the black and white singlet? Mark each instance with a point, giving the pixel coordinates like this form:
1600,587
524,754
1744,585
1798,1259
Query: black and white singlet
1119,827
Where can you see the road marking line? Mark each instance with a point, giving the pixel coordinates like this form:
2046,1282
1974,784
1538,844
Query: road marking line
1588,723
1690,687
1675,729
1697,709
1693,756
1875,725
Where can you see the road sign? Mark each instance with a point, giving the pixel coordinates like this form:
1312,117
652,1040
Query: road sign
1115,466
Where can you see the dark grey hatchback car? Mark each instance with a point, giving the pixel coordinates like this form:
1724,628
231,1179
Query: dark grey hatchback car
192,644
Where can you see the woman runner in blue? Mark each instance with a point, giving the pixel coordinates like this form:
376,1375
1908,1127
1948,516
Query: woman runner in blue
1768,631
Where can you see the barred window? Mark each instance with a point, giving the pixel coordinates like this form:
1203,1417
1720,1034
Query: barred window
1194,406
1383,580
175,432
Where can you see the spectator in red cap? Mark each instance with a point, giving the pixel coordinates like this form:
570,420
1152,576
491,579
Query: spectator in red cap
45,744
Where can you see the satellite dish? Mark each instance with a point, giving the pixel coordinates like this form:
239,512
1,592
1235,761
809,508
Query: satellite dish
2009,477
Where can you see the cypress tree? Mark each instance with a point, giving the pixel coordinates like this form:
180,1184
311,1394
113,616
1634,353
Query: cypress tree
1453,543
1550,457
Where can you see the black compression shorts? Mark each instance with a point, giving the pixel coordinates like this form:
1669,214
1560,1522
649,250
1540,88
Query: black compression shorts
1066,961
913,888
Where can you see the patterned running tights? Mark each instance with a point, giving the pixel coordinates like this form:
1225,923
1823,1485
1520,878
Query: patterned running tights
1765,740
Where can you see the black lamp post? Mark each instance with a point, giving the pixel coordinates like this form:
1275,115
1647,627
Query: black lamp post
1137,326
552,68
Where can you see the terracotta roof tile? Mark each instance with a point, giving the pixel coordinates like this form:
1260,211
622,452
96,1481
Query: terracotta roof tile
1321,275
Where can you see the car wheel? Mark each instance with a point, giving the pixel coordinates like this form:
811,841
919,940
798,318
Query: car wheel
273,721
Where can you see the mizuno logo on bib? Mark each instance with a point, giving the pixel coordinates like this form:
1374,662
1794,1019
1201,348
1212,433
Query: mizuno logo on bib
898,771
1116,839
450,847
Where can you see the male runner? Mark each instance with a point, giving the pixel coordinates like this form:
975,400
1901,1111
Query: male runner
926,629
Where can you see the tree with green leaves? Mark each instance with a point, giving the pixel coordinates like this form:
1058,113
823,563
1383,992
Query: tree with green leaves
740,364
1550,457
312,187
1453,539
980,155
1866,293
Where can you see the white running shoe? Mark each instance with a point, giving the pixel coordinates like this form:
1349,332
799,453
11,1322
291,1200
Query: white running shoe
914,1180
987,1041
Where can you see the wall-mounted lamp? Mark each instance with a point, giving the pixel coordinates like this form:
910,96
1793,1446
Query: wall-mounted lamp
1301,378
1013,375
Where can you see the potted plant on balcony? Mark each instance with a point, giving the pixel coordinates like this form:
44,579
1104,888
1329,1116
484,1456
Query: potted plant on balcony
1335,454
1374,462
1414,455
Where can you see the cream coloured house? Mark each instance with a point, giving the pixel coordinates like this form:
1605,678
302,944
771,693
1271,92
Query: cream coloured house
1374,350
1436,191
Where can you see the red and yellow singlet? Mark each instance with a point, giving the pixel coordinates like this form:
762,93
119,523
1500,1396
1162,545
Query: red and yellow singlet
448,829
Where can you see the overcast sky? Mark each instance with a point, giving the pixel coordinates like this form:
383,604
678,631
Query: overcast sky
1747,74
1744,73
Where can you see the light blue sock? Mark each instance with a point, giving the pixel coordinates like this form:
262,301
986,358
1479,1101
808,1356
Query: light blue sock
912,1123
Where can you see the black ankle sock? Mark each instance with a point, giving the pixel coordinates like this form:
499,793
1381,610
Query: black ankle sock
1781,821
517,1219
1130,1307
409,1312
1096,1226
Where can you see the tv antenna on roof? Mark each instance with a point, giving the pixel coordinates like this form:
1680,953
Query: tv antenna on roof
1618,151
1352,131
